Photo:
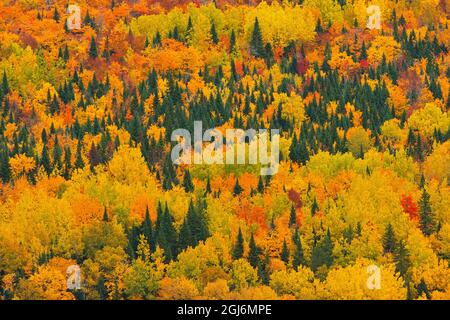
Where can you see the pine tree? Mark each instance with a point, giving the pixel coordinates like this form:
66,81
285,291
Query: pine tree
402,259
253,255
147,230
389,241
427,222
45,160
285,253
299,257
93,51
260,185
105,215
314,207
263,270
293,217
322,253
208,186
79,163
238,249
187,182
56,16
423,289
237,190
256,43
214,36
232,42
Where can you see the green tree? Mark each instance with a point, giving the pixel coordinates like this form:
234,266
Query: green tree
238,249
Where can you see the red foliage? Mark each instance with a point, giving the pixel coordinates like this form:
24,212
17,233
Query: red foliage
295,198
410,207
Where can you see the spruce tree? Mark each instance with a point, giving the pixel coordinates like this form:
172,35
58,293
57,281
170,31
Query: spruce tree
214,36
147,230
93,51
427,222
402,259
256,43
285,252
298,257
293,217
254,251
389,241
237,190
238,249
187,182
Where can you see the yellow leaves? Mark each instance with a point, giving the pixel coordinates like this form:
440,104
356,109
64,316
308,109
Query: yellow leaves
292,107
343,62
437,164
280,24
10,128
350,283
48,283
297,283
21,164
128,166
358,140
383,46
176,289
428,119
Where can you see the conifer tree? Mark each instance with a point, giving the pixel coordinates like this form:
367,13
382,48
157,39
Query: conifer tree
238,249
237,190
293,217
256,43
285,253
187,182
427,221
253,255
214,36
93,51
402,259
389,241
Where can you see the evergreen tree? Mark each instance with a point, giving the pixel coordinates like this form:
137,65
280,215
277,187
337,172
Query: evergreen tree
93,51
427,222
285,253
105,215
256,43
56,16
147,230
293,217
253,255
402,259
45,160
423,289
260,185
238,249
187,182
232,42
314,207
322,253
389,241
214,36
299,257
237,190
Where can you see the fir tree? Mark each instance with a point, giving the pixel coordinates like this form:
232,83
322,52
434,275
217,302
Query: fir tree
187,182
214,36
293,217
238,249
237,190
285,253
93,51
389,240
402,259
256,43
427,222
253,255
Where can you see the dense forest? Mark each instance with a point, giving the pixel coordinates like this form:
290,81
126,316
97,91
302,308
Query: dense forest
87,113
